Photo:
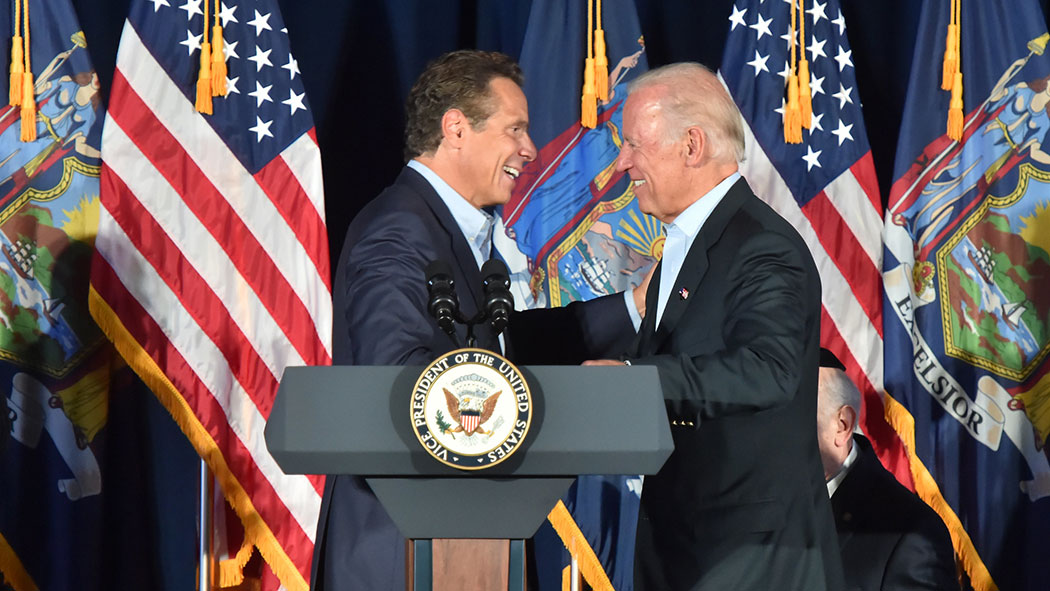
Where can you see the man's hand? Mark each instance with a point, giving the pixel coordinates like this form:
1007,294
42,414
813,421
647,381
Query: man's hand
603,362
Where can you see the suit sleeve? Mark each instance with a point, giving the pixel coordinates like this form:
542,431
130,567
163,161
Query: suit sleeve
572,334
384,299
768,318
922,559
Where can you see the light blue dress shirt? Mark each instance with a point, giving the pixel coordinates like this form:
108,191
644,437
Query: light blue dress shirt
680,235
476,226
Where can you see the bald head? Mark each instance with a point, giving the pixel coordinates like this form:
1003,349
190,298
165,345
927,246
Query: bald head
838,409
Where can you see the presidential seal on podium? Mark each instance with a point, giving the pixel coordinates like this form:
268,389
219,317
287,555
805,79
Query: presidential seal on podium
471,409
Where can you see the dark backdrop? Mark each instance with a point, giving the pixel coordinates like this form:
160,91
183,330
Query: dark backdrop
358,59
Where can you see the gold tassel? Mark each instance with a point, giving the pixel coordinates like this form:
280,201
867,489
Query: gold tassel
955,109
951,57
792,113
805,96
28,109
17,58
601,61
218,63
28,102
589,101
17,69
203,103
601,66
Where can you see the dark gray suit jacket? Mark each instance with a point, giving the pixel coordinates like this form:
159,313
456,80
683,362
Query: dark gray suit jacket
741,503
890,539
380,318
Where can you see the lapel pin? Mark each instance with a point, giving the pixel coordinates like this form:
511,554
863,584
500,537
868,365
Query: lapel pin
683,294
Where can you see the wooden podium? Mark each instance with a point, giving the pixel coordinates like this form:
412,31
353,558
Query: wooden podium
355,420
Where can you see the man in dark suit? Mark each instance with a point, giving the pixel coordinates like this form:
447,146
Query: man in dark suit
890,539
466,142
732,327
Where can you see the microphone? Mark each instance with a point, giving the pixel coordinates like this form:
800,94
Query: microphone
499,302
443,304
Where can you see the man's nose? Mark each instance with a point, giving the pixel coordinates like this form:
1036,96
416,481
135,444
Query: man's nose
528,149
623,161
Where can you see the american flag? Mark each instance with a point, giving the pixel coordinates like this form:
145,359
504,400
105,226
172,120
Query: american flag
212,272
825,186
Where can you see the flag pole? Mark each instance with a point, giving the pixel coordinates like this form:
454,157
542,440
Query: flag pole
204,526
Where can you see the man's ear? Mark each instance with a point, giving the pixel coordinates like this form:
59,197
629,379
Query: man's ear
695,146
844,425
453,126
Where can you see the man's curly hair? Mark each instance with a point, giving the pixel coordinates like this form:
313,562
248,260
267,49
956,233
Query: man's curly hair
456,80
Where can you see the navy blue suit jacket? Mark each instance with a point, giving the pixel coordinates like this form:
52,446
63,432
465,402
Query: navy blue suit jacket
381,319
891,540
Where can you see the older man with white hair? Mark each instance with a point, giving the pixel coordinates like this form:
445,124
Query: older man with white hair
733,329
890,539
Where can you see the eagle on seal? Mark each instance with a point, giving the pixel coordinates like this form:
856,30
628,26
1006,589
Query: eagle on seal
470,412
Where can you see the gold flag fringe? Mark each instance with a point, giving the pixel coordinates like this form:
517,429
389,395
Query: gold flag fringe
14,572
256,532
576,544
926,487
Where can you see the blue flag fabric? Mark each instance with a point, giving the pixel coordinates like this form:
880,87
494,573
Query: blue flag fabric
573,231
61,384
967,290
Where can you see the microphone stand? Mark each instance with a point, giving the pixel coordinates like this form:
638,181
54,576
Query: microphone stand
470,323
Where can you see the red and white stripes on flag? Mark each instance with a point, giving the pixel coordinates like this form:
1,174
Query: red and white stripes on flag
825,184
842,225
211,280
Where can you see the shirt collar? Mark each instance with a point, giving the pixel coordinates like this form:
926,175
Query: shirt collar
474,223
837,479
692,219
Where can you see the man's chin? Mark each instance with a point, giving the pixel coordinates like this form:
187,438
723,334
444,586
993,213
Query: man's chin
643,206
496,200
503,197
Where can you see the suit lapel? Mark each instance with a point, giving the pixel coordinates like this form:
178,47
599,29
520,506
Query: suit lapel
696,262
464,257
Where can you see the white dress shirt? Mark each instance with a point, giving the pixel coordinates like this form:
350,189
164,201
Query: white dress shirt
837,479
680,235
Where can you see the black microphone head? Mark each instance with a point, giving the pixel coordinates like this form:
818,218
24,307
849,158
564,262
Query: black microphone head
442,302
436,268
499,302
496,269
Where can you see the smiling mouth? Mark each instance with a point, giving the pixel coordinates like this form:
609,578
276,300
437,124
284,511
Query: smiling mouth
638,183
513,172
